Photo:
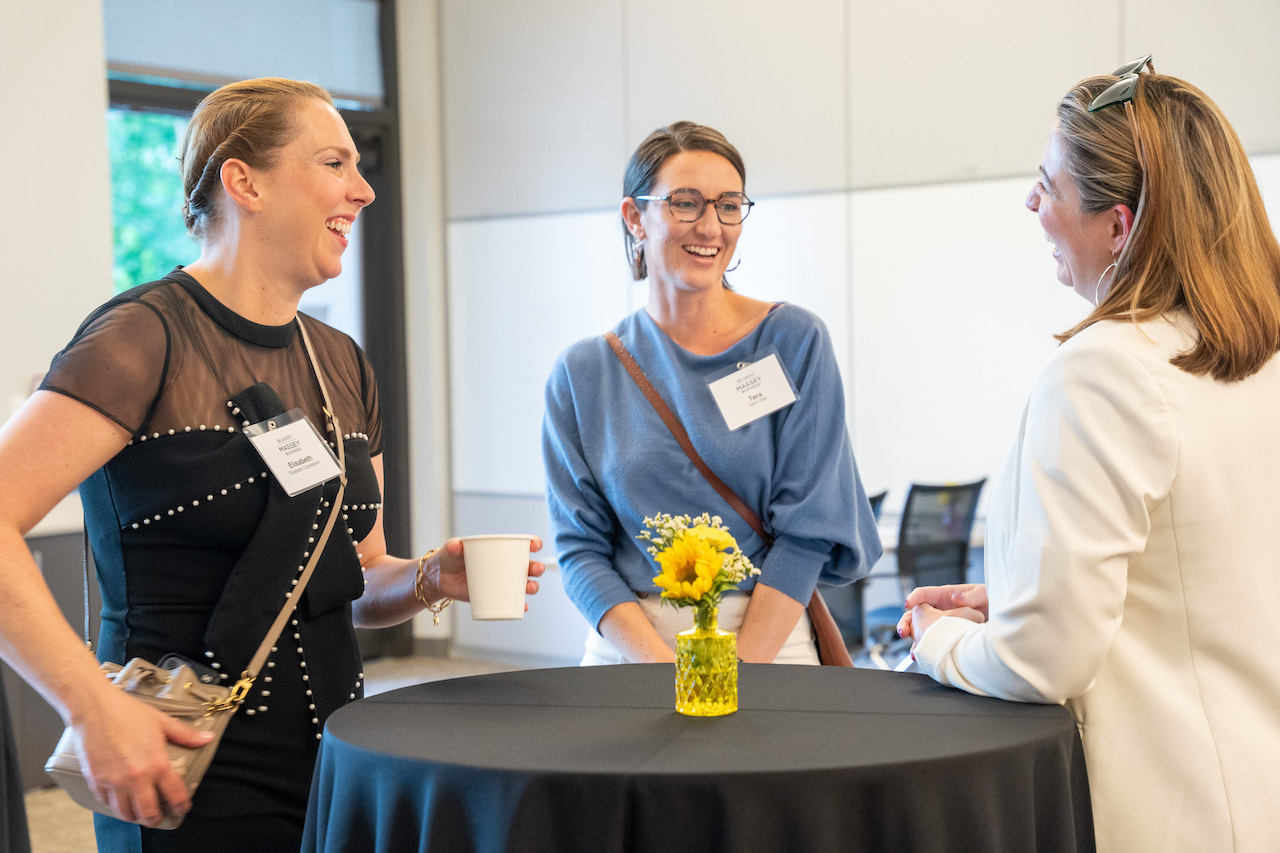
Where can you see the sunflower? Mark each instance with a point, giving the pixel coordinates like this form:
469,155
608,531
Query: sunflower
698,557
691,563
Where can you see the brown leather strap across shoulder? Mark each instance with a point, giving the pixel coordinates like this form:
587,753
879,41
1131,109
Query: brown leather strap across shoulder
677,429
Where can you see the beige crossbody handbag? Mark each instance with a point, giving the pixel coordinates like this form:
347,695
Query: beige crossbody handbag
173,687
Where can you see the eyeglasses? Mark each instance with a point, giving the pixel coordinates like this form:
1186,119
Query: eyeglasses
687,205
1122,92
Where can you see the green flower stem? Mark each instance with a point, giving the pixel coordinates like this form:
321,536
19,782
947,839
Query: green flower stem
704,618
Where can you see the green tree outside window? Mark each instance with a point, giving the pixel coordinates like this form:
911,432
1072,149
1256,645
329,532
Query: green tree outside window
146,197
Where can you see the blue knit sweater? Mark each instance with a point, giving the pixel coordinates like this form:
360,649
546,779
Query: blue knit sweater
610,461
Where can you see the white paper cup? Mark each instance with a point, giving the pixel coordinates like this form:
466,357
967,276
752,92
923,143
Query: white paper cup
497,572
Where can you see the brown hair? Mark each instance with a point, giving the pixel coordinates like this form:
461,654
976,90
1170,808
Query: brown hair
250,121
660,146
1201,241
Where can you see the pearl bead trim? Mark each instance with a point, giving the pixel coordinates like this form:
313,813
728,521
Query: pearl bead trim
202,428
209,498
264,680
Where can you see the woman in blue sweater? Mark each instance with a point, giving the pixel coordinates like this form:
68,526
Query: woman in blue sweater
780,444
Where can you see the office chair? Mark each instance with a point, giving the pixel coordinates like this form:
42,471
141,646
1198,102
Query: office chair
933,549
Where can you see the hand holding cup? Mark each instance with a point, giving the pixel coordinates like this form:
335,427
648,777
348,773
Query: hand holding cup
498,571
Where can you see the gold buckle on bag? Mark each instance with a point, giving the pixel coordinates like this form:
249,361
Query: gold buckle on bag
239,690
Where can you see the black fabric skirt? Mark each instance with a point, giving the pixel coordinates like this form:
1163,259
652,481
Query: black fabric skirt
255,802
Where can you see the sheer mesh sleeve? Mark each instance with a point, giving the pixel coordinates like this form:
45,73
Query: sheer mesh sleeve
116,363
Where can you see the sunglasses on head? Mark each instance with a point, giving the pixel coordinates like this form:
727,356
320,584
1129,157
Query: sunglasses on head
1122,91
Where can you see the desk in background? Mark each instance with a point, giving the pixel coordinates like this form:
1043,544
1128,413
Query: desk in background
595,759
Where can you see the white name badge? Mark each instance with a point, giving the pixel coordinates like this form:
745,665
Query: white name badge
752,392
295,453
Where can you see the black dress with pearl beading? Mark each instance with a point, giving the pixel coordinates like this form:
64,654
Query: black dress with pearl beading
196,545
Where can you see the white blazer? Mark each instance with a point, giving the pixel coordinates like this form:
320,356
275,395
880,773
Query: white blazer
1133,572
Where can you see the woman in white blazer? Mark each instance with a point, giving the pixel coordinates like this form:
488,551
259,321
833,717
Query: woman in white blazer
1133,537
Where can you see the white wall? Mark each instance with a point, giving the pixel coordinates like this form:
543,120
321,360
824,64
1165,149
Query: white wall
890,148
55,181
422,170
56,241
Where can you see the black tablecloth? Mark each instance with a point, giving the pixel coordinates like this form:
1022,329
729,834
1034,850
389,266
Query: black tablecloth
596,759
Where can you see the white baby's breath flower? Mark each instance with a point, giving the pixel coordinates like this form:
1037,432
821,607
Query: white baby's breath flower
664,529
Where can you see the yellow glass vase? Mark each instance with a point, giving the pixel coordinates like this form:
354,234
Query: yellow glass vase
706,667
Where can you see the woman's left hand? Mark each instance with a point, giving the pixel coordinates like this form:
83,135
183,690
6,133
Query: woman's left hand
918,619
450,574
927,604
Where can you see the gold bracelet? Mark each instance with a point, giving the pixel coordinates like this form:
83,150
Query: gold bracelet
421,596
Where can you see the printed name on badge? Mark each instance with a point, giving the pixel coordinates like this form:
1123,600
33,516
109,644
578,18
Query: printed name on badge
295,453
752,392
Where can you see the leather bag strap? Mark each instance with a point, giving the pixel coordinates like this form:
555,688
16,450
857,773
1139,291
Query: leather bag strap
831,648
295,594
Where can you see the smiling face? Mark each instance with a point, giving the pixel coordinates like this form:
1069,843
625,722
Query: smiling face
312,195
1083,243
686,255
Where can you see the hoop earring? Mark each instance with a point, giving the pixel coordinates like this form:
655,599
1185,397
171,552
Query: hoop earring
735,266
1098,287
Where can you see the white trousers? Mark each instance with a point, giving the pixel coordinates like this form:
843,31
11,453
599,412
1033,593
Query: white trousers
668,621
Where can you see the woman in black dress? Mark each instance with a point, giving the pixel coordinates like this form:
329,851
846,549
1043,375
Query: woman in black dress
195,541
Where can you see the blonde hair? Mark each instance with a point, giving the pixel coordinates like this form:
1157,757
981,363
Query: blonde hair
250,121
1201,241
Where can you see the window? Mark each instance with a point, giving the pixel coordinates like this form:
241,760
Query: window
148,235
